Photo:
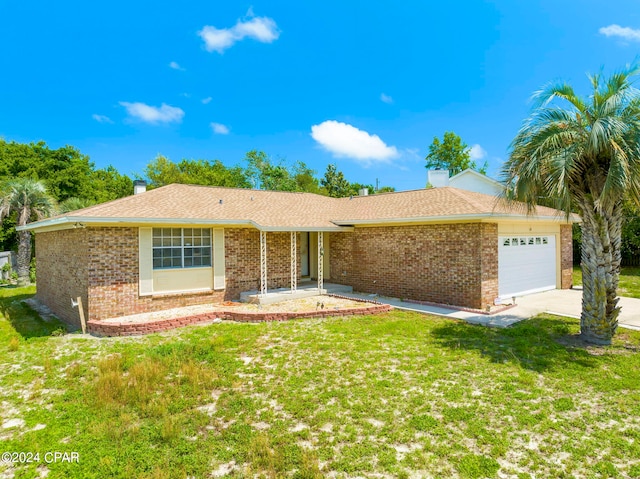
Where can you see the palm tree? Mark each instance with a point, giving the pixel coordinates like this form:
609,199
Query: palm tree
73,204
29,200
584,156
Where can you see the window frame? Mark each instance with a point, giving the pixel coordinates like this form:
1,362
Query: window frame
205,236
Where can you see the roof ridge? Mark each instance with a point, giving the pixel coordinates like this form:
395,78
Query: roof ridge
236,188
462,195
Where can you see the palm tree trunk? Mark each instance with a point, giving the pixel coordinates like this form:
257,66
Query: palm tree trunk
600,273
24,256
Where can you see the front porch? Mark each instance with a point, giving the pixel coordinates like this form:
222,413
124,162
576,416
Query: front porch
307,258
304,289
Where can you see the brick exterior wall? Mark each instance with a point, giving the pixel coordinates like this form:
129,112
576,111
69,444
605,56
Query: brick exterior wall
62,260
242,251
566,256
451,264
489,263
102,265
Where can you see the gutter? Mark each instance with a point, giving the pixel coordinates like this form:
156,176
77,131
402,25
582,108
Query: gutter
485,217
69,222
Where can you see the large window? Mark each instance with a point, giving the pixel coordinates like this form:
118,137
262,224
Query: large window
181,247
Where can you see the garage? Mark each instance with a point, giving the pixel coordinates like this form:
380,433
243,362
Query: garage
526,264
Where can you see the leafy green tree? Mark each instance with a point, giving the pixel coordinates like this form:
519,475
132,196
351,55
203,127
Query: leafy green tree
305,179
264,174
28,200
630,234
66,171
335,183
8,238
212,173
354,189
108,184
585,154
162,171
451,154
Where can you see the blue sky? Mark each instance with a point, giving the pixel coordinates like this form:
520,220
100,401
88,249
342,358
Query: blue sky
365,85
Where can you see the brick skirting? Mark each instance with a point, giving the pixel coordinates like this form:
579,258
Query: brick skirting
110,329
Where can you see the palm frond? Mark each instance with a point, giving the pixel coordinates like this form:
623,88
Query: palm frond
544,96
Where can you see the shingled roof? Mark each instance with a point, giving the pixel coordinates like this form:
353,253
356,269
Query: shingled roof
285,211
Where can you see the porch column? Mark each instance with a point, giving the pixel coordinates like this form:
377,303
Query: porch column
263,263
294,262
320,262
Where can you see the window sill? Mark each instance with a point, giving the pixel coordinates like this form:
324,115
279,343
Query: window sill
173,294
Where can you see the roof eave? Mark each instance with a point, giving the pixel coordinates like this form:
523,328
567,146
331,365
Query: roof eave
487,217
70,222
81,221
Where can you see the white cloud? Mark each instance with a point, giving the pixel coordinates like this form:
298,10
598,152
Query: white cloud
152,114
206,101
101,118
413,152
622,32
386,98
262,29
477,152
176,66
220,129
345,140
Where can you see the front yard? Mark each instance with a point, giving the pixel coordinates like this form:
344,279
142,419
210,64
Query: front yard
396,395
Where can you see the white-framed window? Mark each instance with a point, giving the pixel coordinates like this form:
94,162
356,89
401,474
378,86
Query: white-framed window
181,248
525,241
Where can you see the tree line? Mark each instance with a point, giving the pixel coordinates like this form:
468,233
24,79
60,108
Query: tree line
72,180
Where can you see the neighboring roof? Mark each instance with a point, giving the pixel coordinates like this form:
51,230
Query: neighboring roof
284,211
479,176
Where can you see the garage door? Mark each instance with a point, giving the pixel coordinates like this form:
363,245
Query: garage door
526,264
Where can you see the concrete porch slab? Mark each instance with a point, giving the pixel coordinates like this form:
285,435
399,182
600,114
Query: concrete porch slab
304,290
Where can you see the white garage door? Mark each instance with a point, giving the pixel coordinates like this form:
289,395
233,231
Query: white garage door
526,264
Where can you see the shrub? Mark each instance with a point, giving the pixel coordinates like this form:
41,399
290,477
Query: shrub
32,270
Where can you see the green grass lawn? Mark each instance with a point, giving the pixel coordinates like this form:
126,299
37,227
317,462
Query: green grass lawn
629,281
396,395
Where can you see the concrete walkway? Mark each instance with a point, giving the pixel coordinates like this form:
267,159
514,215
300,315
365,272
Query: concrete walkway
566,302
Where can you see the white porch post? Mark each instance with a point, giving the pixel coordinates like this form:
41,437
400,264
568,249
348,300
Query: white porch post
294,262
320,262
263,263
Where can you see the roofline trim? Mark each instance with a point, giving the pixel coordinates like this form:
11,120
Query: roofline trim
68,222
437,219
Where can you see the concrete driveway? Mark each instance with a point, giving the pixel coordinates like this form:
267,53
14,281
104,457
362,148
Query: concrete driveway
563,302
568,302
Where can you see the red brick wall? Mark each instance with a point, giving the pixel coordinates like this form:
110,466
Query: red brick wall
104,263
62,271
242,250
451,264
489,262
566,256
